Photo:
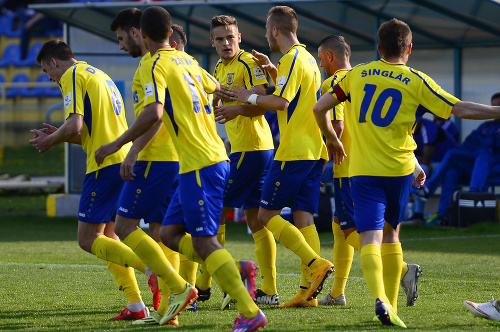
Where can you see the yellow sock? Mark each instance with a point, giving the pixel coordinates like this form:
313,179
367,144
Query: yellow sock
125,279
149,250
186,248
221,266
342,260
187,269
116,252
354,241
265,252
392,257
221,235
204,279
404,269
290,237
311,236
371,262
172,256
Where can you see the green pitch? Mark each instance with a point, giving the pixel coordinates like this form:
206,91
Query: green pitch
47,283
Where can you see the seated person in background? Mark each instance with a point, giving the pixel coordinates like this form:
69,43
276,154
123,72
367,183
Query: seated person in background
432,144
459,165
448,125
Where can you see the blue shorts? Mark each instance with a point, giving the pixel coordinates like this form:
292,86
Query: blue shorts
246,177
100,193
378,199
149,194
294,184
344,207
197,202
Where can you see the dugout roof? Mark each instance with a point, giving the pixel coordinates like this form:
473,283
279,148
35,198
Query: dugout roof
435,23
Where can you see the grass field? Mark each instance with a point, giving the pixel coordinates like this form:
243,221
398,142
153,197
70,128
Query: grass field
49,284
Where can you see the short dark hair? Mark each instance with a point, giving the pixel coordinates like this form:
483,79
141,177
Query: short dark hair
156,23
336,44
222,21
178,34
394,38
284,18
54,49
126,19
495,96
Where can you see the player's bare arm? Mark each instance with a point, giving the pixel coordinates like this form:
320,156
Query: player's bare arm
470,110
227,113
322,115
127,166
265,64
66,133
148,117
271,102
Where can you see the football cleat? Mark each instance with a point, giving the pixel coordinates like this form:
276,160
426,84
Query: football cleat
318,276
243,324
300,300
486,310
126,314
177,303
155,289
409,283
263,298
386,315
203,295
192,306
248,272
329,300
226,302
154,319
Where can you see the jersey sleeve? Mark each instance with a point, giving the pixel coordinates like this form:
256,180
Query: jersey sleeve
338,112
209,82
253,75
72,91
152,82
289,75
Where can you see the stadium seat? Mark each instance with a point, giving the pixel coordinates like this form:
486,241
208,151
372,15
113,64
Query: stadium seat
18,91
7,27
30,57
2,80
44,91
11,55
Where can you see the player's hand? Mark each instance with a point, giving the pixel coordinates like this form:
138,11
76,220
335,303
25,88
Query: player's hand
48,129
223,94
240,94
40,141
263,61
420,179
105,151
127,167
336,148
224,114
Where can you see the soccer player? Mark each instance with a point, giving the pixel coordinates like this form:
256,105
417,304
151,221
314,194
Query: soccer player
151,167
94,116
386,99
252,147
334,53
295,174
489,310
174,84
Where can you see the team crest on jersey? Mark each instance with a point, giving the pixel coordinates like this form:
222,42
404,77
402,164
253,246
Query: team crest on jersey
259,73
148,89
230,78
68,100
281,81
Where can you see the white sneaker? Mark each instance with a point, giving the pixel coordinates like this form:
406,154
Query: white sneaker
329,300
409,283
486,310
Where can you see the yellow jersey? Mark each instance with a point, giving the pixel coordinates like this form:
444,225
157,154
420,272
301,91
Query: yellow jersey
174,79
386,99
88,91
161,147
299,82
244,133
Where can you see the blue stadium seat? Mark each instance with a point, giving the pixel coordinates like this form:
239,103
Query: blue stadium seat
11,54
18,91
2,80
7,27
30,57
44,91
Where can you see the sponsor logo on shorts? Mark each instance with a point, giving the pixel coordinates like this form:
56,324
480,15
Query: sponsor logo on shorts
81,214
123,209
199,229
264,202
